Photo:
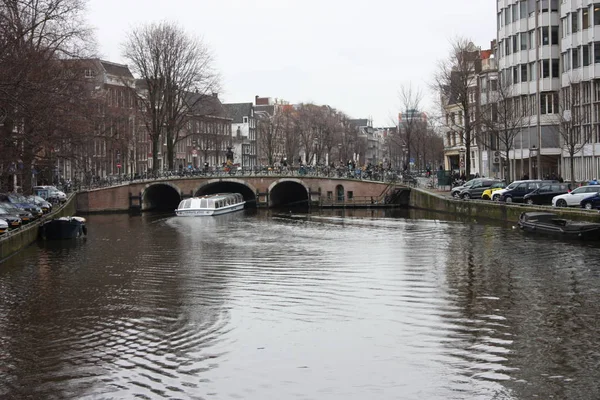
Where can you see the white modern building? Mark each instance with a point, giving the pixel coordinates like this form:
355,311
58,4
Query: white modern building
580,85
529,52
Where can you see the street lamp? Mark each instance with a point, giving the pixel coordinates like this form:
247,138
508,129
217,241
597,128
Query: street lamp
533,153
461,161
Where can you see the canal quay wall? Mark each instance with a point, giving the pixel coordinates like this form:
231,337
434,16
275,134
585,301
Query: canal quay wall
487,209
14,241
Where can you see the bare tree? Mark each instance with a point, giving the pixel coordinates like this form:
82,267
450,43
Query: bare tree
569,122
411,125
269,132
502,119
44,102
456,82
177,73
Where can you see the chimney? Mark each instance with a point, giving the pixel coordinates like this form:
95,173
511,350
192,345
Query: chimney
215,95
256,100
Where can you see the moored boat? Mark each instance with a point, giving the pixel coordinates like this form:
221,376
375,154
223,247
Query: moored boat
214,204
63,228
550,223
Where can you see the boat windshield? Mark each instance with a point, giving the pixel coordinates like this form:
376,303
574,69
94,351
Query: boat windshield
203,203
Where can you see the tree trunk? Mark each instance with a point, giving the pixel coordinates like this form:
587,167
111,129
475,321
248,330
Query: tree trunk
170,151
155,143
572,165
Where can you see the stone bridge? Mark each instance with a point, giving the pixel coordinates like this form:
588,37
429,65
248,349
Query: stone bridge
258,191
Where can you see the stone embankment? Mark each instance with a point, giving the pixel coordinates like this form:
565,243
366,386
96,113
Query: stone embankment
14,241
437,200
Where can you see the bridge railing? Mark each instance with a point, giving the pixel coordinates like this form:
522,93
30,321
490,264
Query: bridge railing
299,172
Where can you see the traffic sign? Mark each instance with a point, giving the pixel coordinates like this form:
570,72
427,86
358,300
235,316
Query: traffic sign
118,165
194,152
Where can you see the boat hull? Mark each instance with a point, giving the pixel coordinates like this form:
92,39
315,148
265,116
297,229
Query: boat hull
560,228
60,229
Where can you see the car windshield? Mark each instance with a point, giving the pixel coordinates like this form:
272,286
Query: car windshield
512,185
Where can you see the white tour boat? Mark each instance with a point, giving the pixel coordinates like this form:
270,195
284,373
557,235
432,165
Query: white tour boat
214,204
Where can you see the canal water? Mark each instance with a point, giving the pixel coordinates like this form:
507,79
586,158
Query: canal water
256,305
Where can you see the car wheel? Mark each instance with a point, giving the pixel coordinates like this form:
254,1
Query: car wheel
561,203
587,206
508,199
485,197
495,197
455,195
530,202
466,196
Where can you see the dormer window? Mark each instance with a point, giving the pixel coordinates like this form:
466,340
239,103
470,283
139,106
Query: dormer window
89,73
245,119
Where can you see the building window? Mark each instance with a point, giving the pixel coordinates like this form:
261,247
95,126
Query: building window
554,5
596,14
555,67
89,73
507,46
545,36
515,13
574,25
532,43
545,68
524,73
586,55
596,52
245,120
523,37
494,85
564,25
585,18
523,8
544,6
554,34
566,61
515,75
506,16
515,46
575,58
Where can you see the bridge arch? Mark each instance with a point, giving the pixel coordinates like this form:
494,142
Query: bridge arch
228,185
162,196
288,192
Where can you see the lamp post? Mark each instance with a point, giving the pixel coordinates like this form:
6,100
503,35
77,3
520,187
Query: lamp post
461,159
195,149
533,154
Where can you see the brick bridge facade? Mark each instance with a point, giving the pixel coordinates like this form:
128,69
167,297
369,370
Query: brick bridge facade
268,191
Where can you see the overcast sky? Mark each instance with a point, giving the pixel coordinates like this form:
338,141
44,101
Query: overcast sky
352,55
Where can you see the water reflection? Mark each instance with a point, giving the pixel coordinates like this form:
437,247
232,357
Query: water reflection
346,304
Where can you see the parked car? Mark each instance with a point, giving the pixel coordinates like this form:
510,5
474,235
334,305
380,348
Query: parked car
455,192
46,206
25,216
50,193
591,203
575,197
517,193
487,193
3,227
544,194
476,189
496,194
11,219
21,202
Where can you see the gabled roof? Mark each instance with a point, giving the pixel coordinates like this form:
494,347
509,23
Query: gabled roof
206,105
116,69
237,111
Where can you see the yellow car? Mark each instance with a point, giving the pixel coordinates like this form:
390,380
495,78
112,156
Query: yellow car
487,194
